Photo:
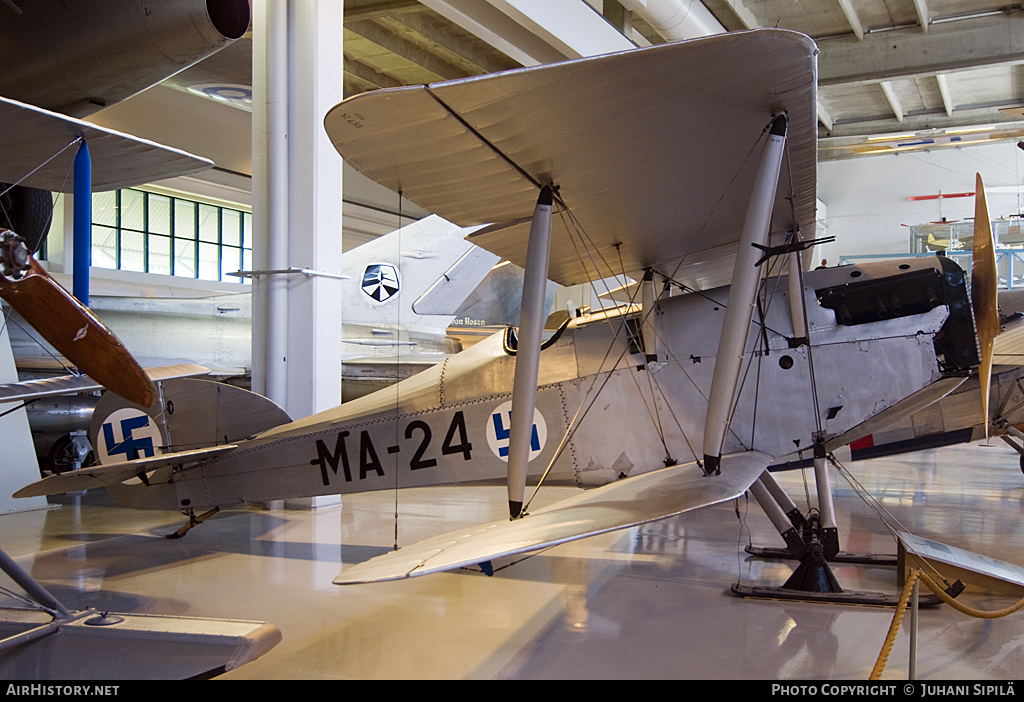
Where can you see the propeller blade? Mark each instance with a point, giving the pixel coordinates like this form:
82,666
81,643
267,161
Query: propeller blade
73,330
984,293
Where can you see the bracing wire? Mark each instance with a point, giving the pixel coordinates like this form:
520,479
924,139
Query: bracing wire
584,408
22,179
398,392
707,220
584,240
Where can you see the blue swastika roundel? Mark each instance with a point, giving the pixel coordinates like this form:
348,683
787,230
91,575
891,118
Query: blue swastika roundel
499,425
380,281
128,434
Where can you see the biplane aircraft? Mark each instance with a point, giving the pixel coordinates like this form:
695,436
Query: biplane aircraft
689,166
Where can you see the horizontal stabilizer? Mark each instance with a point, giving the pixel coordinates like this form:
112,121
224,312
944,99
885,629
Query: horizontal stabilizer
629,502
72,384
904,408
973,568
118,646
114,473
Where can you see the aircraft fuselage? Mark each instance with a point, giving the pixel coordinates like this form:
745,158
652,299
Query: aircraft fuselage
449,424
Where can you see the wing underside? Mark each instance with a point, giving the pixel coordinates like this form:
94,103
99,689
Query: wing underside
653,150
71,384
629,502
114,473
32,137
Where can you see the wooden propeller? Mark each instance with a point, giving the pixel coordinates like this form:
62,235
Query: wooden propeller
68,325
984,293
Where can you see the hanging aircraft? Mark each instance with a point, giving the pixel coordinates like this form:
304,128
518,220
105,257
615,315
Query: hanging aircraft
58,54
688,165
38,147
57,60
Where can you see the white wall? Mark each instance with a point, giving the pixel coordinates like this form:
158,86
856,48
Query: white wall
867,197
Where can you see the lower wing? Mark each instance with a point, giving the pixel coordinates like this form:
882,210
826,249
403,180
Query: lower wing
629,502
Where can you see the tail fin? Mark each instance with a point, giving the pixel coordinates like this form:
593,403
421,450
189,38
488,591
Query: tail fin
417,275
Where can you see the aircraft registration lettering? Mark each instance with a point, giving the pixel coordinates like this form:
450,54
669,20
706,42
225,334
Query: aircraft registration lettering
456,441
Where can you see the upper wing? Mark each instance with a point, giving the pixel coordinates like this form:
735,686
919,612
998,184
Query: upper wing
31,136
653,149
71,384
644,498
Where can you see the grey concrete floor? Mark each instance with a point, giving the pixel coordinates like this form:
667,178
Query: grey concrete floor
648,602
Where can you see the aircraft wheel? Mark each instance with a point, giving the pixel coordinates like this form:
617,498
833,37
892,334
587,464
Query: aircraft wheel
1022,464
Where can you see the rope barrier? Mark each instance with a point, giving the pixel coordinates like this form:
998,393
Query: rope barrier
901,607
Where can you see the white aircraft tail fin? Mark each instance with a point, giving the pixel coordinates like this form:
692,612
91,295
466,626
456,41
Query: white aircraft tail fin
429,262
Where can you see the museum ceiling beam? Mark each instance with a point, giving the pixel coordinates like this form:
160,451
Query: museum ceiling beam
893,100
742,13
946,47
456,48
947,96
851,17
921,7
367,77
408,50
824,116
371,9
964,116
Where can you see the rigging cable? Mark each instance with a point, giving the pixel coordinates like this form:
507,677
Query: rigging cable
12,185
398,337
53,205
581,413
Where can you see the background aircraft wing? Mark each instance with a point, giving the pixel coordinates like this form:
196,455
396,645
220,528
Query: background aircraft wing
113,473
32,135
653,148
71,384
629,502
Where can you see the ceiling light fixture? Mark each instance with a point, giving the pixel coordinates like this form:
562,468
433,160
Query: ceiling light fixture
968,130
892,137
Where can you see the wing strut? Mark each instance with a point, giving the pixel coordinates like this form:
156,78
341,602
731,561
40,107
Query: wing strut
531,326
742,295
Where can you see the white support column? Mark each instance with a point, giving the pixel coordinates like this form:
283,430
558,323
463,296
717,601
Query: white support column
742,295
297,174
315,85
531,326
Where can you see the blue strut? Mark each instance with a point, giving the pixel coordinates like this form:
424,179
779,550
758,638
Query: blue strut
82,224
